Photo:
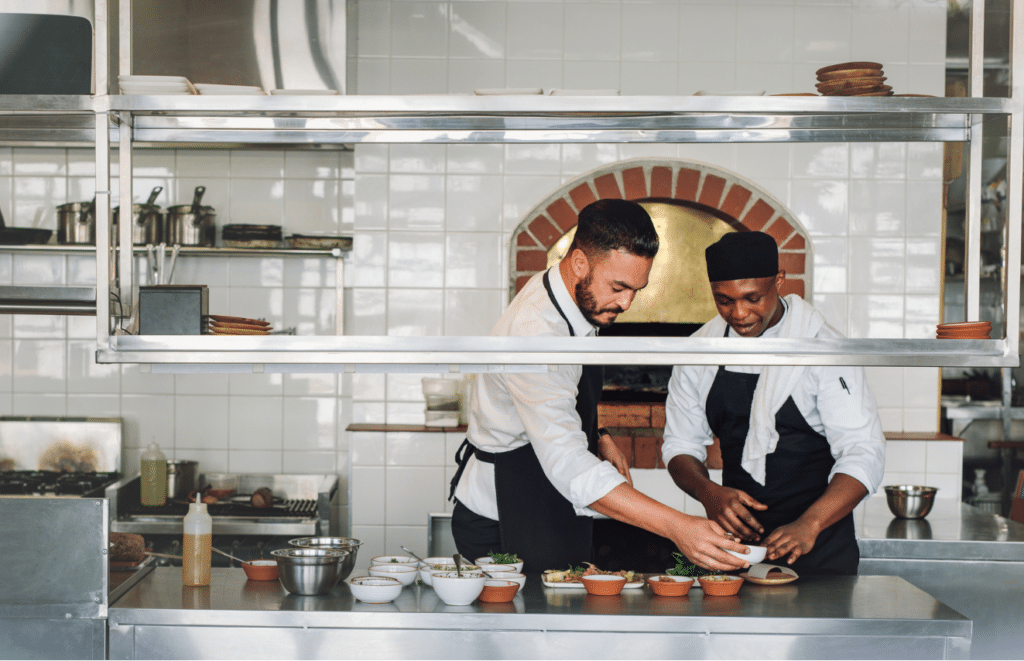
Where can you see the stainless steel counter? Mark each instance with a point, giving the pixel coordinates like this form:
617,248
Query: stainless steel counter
868,616
969,559
951,531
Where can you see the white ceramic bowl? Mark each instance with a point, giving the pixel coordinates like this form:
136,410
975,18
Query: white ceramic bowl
755,556
395,560
404,573
437,560
375,589
491,568
517,566
427,572
458,591
510,576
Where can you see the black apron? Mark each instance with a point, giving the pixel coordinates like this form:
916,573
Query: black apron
536,521
796,473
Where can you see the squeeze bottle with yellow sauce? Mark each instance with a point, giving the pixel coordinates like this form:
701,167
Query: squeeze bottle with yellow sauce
153,485
195,548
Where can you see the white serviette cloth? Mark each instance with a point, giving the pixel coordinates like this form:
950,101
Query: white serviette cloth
776,384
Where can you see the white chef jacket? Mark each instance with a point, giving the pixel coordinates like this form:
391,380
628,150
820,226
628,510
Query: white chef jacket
509,410
846,416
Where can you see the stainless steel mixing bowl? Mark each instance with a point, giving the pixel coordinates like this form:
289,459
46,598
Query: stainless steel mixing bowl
342,543
909,501
309,571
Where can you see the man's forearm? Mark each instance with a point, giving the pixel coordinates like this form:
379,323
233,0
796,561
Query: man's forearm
842,494
626,504
691,475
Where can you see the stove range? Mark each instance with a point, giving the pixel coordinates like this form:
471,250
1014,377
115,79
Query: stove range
91,484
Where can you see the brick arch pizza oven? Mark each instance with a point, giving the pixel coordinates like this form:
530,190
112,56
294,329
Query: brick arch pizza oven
735,200
637,426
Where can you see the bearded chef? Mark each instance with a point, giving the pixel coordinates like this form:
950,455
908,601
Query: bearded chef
801,445
534,467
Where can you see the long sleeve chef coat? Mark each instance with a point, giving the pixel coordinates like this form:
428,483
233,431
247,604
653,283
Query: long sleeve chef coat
834,400
509,410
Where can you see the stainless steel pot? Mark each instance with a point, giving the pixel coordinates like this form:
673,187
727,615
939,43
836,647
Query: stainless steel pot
192,224
76,223
181,478
147,221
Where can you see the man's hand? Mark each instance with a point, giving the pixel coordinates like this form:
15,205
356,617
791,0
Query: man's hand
607,450
702,542
728,507
793,539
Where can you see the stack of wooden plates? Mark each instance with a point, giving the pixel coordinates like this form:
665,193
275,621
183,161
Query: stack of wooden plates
852,79
223,325
965,330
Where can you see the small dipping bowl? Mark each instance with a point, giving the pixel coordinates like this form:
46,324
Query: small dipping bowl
488,560
604,584
456,590
426,563
756,555
510,576
491,568
395,560
405,574
497,591
426,573
720,586
260,570
670,586
375,589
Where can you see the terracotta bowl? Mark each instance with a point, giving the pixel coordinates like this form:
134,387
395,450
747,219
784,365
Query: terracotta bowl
721,586
670,586
498,590
260,570
604,584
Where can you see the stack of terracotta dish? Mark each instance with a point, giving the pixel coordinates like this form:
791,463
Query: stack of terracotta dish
223,325
852,79
965,330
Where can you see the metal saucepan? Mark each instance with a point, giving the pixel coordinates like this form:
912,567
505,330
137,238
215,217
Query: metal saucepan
22,235
192,224
76,223
147,221
181,478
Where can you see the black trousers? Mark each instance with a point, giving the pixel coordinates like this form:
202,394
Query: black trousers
475,536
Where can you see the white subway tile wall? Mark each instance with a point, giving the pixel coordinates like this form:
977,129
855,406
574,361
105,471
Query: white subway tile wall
432,226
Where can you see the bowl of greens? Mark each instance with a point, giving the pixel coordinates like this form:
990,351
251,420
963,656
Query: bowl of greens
502,559
686,568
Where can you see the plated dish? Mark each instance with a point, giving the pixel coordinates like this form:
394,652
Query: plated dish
573,577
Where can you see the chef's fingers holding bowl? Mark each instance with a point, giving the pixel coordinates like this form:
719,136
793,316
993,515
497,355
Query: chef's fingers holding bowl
707,547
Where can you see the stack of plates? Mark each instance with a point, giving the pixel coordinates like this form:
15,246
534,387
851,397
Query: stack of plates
304,92
205,88
252,236
319,242
223,325
965,330
852,79
146,85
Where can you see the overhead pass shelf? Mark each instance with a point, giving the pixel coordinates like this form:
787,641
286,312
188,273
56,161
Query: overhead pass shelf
477,352
469,119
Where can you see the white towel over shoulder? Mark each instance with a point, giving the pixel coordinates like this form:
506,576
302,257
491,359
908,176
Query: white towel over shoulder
776,384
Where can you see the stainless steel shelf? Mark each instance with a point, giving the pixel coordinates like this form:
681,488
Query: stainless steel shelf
185,250
266,120
47,104
476,353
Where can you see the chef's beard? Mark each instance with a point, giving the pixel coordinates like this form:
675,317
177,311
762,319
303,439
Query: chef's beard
587,304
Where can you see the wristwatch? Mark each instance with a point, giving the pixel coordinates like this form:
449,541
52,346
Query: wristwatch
601,431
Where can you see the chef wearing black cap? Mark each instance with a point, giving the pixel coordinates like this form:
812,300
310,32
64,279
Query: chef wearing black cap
801,445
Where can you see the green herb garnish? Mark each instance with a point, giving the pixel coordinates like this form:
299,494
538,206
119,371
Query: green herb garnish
686,568
503,558
394,560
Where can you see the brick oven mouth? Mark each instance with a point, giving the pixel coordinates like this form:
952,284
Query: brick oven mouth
641,383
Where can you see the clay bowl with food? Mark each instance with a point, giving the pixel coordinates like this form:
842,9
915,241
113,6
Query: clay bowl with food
604,584
456,589
427,573
720,585
405,574
498,590
375,589
518,578
503,559
670,586
261,570
339,543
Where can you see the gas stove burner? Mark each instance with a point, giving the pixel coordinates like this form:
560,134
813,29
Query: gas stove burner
13,486
73,487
